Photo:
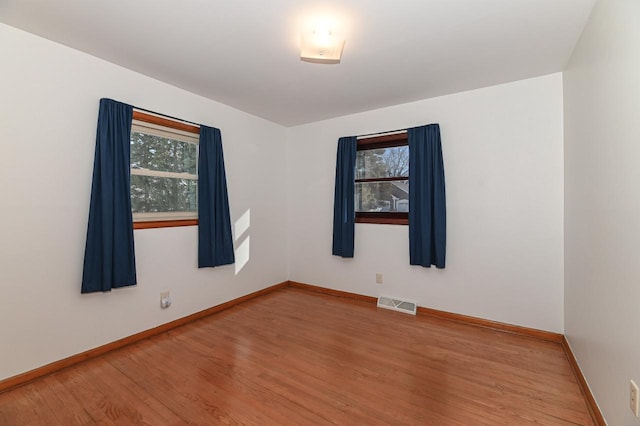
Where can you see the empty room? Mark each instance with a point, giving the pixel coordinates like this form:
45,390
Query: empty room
422,212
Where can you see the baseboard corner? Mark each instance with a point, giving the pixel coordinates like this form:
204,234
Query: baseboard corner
592,405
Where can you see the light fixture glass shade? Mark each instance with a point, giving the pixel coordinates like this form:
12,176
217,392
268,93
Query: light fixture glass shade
321,46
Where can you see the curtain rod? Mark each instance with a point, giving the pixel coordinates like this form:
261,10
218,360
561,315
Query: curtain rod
166,116
390,132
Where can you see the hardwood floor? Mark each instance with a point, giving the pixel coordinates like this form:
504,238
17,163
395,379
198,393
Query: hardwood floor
294,357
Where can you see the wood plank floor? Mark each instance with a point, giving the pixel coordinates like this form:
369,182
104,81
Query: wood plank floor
294,357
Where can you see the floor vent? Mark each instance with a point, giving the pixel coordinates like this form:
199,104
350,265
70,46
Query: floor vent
397,305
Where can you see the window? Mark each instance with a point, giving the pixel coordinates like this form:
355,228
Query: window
382,180
164,172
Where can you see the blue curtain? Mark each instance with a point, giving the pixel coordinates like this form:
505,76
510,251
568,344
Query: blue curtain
109,258
215,243
343,203
427,207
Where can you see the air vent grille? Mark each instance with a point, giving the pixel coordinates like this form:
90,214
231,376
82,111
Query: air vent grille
397,305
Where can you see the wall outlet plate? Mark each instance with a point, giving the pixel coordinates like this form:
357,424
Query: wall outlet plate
379,278
633,397
165,300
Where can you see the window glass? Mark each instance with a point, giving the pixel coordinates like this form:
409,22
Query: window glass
161,153
153,194
390,196
382,162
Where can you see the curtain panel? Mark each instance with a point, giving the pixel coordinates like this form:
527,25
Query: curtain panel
215,242
343,203
427,203
109,259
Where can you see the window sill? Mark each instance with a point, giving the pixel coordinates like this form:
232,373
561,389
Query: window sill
165,223
383,220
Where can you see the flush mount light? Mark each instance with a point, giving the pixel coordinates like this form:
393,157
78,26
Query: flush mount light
321,45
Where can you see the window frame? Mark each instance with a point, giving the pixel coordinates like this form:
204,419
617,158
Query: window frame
147,220
377,142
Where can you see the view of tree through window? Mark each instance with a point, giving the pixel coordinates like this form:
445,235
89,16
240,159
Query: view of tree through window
163,174
382,180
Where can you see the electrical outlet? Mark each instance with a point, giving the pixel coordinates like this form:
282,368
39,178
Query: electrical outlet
633,397
378,278
165,300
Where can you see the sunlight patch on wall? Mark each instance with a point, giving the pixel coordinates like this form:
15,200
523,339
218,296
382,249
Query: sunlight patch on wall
243,251
242,224
242,254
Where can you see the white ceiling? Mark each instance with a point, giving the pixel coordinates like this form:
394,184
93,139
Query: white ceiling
245,53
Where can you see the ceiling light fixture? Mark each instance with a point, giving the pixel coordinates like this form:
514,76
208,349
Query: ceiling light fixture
321,45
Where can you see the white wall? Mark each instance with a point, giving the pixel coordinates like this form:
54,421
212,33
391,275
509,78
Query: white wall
48,113
602,204
504,178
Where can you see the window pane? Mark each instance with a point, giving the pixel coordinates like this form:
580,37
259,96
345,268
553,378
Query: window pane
159,153
151,194
382,162
382,196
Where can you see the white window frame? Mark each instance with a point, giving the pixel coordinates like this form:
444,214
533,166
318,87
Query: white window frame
174,134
